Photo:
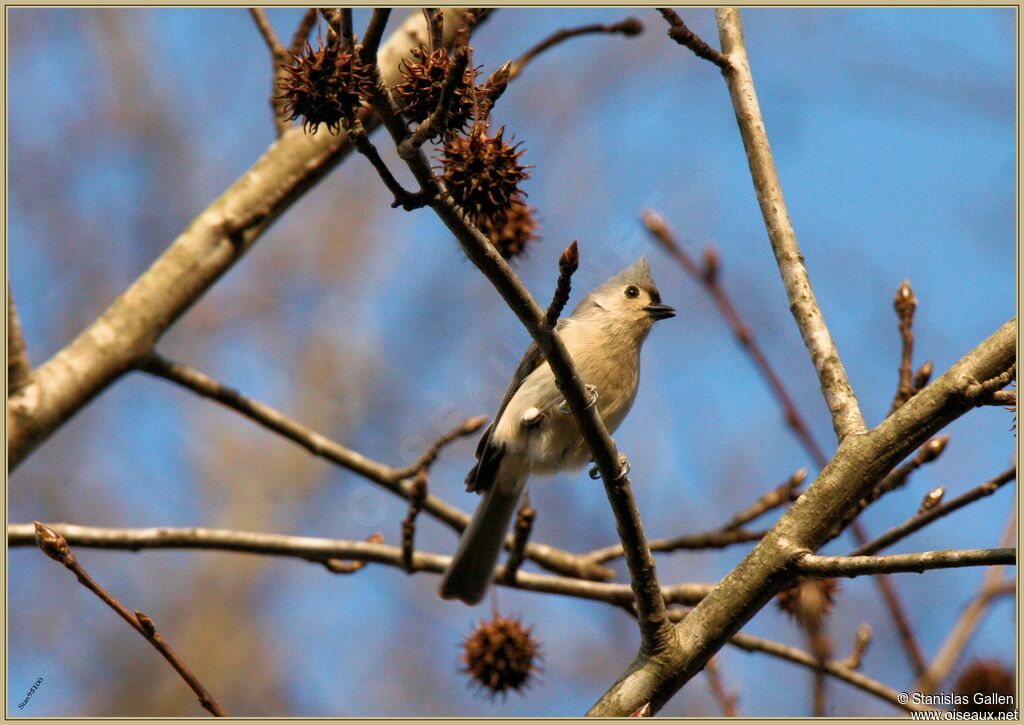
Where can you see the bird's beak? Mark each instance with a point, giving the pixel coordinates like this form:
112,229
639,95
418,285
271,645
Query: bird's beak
660,311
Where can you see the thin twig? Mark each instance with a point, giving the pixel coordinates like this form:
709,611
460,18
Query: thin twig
278,60
905,303
19,369
981,393
435,27
678,31
521,535
714,539
861,642
347,35
850,566
394,480
320,550
351,566
629,27
778,496
835,386
711,282
919,521
992,586
838,670
404,198
419,494
568,263
56,547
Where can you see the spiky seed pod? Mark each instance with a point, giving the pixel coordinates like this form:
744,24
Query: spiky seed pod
809,601
483,173
324,86
985,686
420,90
515,233
500,655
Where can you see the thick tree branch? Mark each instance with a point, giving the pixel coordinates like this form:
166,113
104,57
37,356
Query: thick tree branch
395,480
860,463
823,567
56,547
842,404
324,550
19,370
215,240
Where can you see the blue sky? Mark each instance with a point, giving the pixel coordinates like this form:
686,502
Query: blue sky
894,134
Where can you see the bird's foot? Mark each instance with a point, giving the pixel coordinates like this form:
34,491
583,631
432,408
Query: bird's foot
623,468
563,407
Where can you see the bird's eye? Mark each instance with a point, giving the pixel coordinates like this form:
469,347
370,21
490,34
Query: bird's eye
632,291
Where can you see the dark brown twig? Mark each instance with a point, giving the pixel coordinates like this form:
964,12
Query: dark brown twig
348,38
521,535
404,198
715,539
629,27
905,303
778,496
19,369
56,547
568,263
926,517
419,494
982,393
492,89
678,31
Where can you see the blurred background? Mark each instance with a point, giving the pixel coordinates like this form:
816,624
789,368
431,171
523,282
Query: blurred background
894,134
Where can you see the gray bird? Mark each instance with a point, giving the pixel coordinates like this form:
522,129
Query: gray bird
534,432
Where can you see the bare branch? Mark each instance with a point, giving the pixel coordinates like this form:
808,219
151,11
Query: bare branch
323,550
521,535
927,516
19,369
373,34
726,700
851,566
629,27
394,480
279,58
277,50
56,547
678,31
568,263
842,404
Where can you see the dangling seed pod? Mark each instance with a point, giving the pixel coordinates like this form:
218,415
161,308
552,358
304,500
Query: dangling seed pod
420,89
986,686
483,173
809,601
500,655
325,86
512,236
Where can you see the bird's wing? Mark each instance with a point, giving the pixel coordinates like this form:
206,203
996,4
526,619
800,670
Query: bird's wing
488,454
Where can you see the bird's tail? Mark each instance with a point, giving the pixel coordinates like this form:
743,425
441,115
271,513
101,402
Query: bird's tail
469,574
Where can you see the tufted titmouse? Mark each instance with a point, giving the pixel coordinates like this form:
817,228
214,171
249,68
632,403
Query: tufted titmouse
534,432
